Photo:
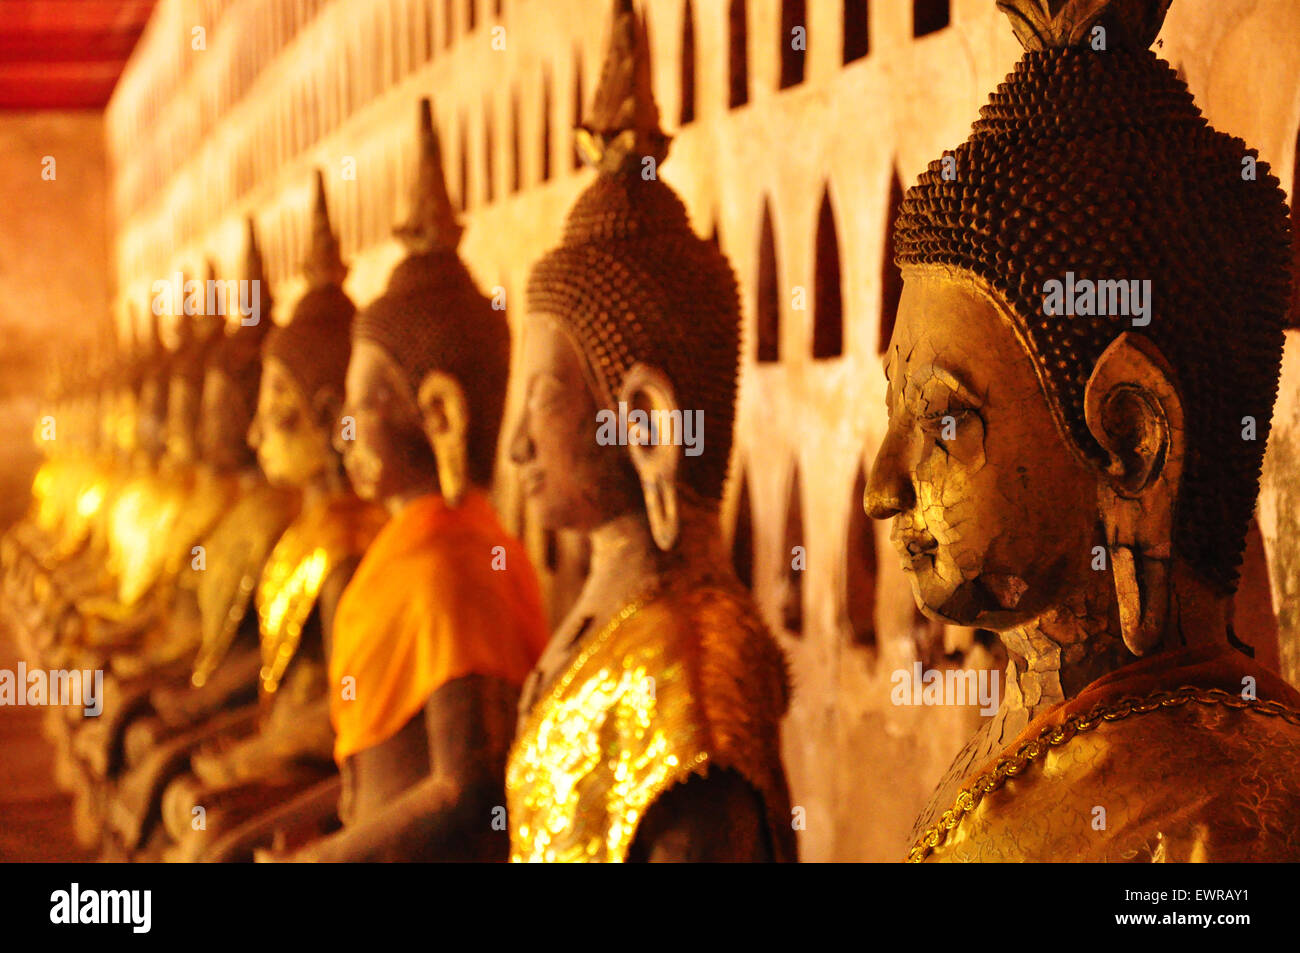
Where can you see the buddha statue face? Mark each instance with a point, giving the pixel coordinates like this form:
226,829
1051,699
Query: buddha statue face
571,481
289,435
994,514
223,422
386,451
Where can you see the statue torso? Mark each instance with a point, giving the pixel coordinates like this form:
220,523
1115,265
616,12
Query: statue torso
667,689
1177,767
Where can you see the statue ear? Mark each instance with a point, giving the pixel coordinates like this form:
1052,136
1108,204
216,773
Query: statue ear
327,408
1134,410
444,413
654,446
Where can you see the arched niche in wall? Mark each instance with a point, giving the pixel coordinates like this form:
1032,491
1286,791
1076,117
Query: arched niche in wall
464,163
828,290
794,42
742,536
929,16
769,293
794,556
399,62
546,126
516,158
857,30
687,113
891,279
737,54
1254,619
471,15
577,107
349,81
860,568
426,31
489,156
928,640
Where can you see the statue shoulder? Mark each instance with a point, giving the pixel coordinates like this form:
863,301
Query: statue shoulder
322,538
1189,774
734,669
722,687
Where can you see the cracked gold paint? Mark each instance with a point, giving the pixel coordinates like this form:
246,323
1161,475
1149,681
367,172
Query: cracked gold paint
673,684
1039,800
314,544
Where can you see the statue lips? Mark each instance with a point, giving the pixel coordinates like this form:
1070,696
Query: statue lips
916,550
532,481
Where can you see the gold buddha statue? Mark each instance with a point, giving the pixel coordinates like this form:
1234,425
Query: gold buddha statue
156,520
49,530
651,728
442,619
1081,378
79,614
299,411
79,568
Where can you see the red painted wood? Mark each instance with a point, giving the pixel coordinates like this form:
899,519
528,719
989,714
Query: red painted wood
66,54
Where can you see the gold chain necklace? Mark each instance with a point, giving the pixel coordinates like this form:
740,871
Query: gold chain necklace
1054,736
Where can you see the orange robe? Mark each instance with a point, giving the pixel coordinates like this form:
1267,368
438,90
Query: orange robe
443,592
1191,755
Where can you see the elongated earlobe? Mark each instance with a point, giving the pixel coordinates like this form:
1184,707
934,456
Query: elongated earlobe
445,414
1134,411
655,451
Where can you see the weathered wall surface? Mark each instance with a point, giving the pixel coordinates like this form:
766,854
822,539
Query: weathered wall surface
54,269
201,138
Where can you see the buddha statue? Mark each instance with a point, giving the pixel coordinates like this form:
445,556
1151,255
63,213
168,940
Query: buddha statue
650,729
167,505
80,616
1081,379
442,620
299,410
32,542
222,554
81,569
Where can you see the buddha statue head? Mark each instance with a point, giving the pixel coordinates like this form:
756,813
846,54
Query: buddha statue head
1088,343
304,367
430,356
232,374
632,318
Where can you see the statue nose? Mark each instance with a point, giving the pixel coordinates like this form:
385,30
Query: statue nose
889,488
521,445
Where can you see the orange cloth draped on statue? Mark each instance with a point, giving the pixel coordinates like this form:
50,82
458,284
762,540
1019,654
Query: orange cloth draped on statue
1192,755
443,592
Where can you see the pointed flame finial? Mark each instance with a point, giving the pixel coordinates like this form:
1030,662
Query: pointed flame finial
432,225
622,128
255,268
324,265
208,326
1055,24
